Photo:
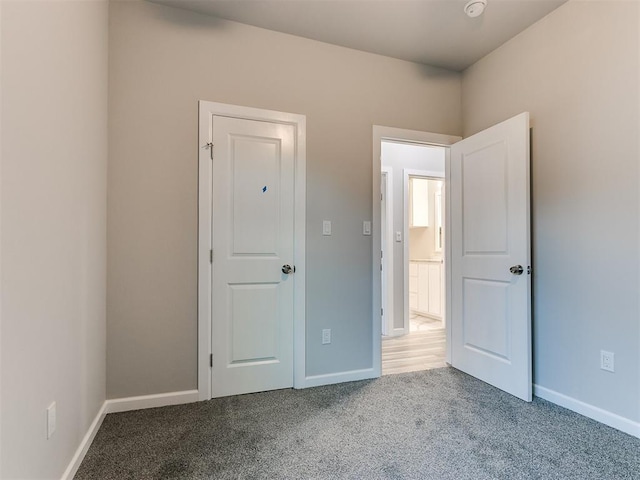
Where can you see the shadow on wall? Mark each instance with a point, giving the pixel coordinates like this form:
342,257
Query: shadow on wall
186,19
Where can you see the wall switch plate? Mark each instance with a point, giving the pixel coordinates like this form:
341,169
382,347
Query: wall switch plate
326,336
366,227
326,227
51,420
607,361
398,236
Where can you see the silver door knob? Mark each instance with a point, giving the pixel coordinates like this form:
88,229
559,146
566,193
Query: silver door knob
517,270
287,269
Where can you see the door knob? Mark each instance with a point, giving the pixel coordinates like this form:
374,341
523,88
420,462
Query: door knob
517,270
287,269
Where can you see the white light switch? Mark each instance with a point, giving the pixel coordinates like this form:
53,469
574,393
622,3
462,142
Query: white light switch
366,227
326,336
398,236
326,227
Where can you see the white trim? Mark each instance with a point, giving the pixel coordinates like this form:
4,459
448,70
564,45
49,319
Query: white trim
205,209
1,448
406,173
595,413
341,377
398,331
387,260
447,253
205,215
127,404
75,462
407,136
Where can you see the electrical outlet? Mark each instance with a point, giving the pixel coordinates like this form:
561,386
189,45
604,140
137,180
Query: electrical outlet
326,336
51,420
607,361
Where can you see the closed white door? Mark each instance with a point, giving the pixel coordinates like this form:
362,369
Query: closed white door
490,243
253,248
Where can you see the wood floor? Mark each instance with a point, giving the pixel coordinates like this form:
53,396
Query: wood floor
422,349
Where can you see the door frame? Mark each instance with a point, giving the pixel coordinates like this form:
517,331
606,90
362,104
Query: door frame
429,175
387,261
205,228
401,135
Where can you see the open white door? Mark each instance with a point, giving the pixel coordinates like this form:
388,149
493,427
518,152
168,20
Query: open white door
490,257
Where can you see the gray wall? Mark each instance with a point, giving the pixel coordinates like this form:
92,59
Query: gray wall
162,61
53,238
576,71
398,156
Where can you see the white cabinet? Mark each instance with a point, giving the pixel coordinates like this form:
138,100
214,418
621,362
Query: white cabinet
413,286
425,288
434,289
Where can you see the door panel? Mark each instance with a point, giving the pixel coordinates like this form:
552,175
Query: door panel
484,201
254,317
253,228
491,307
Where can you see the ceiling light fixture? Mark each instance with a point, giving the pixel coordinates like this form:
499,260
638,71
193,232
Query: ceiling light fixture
475,8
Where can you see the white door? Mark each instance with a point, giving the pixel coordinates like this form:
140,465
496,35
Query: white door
490,243
253,242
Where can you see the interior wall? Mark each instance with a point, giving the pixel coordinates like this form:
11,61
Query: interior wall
53,239
162,61
577,72
398,157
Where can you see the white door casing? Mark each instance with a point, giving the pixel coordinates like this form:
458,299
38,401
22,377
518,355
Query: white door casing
386,260
256,311
490,232
379,134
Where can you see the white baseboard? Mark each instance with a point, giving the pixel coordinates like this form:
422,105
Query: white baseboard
73,466
595,413
151,401
124,405
331,378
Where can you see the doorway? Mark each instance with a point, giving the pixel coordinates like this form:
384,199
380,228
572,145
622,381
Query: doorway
251,253
486,251
413,249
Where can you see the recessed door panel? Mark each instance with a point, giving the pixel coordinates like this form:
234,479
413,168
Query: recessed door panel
254,323
484,321
256,190
484,171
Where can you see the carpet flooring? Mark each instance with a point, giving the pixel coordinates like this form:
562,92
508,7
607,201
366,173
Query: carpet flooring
435,424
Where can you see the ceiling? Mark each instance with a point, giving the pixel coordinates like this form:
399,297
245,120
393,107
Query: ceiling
433,32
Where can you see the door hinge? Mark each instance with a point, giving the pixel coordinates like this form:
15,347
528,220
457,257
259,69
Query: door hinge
382,312
211,359
211,256
210,147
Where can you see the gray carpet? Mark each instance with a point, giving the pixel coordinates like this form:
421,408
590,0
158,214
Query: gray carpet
437,424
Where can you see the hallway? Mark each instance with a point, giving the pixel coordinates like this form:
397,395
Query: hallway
422,349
